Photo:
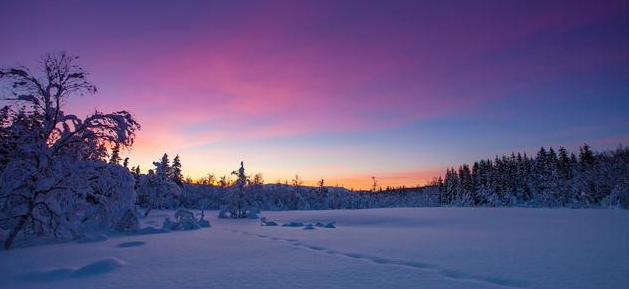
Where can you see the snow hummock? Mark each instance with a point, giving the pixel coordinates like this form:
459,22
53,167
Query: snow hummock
93,238
94,268
293,224
131,244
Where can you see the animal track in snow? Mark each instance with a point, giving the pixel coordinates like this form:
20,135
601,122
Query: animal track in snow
431,268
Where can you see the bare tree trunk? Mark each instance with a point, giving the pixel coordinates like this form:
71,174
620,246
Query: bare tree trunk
15,231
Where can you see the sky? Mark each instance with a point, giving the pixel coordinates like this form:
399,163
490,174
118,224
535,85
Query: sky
341,89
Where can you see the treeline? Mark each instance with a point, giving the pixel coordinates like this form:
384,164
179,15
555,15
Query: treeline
162,188
274,197
549,179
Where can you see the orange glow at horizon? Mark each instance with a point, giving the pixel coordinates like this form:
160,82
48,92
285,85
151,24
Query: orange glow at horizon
353,181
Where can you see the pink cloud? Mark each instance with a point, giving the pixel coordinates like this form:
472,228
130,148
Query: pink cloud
220,71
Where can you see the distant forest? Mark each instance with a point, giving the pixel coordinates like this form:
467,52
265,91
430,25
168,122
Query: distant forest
549,179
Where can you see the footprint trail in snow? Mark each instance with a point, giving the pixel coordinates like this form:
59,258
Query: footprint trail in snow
444,273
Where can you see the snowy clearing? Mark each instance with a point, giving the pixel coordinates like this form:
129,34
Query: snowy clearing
377,248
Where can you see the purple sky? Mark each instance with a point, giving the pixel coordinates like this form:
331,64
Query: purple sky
342,89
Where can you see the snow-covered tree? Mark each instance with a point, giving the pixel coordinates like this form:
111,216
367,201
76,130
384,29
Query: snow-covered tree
224,182
157,189
55,163
114,159
238,200
258,180
321,185
297,181
162,168
175,171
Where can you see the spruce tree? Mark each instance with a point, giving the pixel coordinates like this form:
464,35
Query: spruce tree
466,196
175,171
163,167
586,157
115,155
564,165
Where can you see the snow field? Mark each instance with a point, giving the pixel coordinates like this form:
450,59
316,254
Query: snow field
379,248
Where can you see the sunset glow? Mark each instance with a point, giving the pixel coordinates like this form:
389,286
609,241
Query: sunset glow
341,90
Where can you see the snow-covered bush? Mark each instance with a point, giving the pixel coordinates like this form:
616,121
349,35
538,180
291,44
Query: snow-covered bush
203,223
156,192
159,189
619,196
185,220
104,194
264,222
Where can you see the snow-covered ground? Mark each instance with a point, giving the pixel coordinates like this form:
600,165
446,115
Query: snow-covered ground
379,248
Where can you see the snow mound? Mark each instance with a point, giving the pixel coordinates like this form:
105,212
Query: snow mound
48,275
203,223
99,267
92,238
185,220
264,222
151,230
308,226
131,244
95,268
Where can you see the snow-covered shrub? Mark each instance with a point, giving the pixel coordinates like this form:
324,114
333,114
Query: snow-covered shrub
183,214
74,197
184,220
253,213
187,222
159,189
223,213
264,222
157,192
168,224
128,222
619,197
106,195
203,223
